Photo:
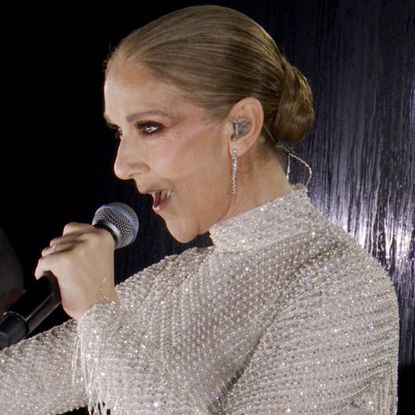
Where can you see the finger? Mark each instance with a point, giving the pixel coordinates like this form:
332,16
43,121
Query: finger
49,261
59,248
74,227
41,268
65,238
48,250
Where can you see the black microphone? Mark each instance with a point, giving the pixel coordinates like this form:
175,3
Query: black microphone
44,295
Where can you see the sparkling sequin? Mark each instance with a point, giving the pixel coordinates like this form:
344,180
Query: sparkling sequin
284,314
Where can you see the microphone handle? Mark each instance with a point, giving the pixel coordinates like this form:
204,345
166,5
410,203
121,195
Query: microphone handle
30,310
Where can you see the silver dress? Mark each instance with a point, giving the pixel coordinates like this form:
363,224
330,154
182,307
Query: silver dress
284,314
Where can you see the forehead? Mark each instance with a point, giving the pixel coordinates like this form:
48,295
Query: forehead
127,85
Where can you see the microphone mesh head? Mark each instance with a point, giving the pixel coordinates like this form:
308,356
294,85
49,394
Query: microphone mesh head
120,219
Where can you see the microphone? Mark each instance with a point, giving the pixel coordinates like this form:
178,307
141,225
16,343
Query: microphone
44,295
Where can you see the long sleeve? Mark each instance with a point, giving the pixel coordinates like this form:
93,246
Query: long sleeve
36,374
333,350
125,374
121,363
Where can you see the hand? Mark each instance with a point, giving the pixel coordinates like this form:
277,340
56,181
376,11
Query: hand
82,260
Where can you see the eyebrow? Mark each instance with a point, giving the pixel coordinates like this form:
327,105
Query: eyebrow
132,117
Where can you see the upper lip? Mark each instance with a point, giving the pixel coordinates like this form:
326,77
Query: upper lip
152,191
164,193
148,190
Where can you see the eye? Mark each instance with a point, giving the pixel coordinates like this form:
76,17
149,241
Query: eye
149,128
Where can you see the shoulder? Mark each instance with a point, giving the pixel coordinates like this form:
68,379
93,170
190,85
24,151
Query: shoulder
328,265
351,265
343,283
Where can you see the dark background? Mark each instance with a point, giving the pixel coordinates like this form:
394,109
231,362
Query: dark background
57,153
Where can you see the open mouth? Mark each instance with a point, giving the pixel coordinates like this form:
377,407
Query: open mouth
160,197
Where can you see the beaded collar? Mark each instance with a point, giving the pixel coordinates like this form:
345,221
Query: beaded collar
266,224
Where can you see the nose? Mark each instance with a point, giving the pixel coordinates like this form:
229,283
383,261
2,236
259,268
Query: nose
129,161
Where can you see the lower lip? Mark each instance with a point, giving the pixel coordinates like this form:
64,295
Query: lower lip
162,204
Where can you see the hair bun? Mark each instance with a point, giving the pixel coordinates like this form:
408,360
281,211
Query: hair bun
295,114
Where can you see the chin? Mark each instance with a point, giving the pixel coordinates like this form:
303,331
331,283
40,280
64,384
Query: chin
181,234
183,239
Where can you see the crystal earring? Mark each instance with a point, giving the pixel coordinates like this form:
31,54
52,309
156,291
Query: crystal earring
240,127
234,159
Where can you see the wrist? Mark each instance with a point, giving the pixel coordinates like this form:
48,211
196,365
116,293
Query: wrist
109,295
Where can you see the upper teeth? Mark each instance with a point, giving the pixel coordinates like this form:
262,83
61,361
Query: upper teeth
164,194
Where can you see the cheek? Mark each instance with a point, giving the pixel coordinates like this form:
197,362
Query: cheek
202,167
188,157
203,184
171,162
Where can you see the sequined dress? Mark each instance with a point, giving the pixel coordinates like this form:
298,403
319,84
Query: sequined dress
285,313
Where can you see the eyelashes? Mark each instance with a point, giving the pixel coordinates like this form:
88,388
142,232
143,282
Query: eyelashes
145,128
149,127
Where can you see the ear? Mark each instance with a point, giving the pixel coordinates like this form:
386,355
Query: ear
248,109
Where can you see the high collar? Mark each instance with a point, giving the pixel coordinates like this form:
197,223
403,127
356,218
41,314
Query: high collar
276,220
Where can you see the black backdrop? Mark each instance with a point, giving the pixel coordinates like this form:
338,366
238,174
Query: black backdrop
57,153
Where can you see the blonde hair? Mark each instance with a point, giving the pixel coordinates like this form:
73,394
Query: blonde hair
217,56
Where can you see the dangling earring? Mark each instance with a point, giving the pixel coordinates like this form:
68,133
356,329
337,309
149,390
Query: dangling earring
234,159
241,126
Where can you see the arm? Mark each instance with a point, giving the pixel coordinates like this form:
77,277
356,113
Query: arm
36,374
122,371
332,351
122,367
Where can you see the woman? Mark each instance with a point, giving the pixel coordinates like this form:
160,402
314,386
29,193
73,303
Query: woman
285,313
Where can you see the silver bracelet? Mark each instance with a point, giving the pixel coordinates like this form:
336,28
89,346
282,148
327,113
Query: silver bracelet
101,292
